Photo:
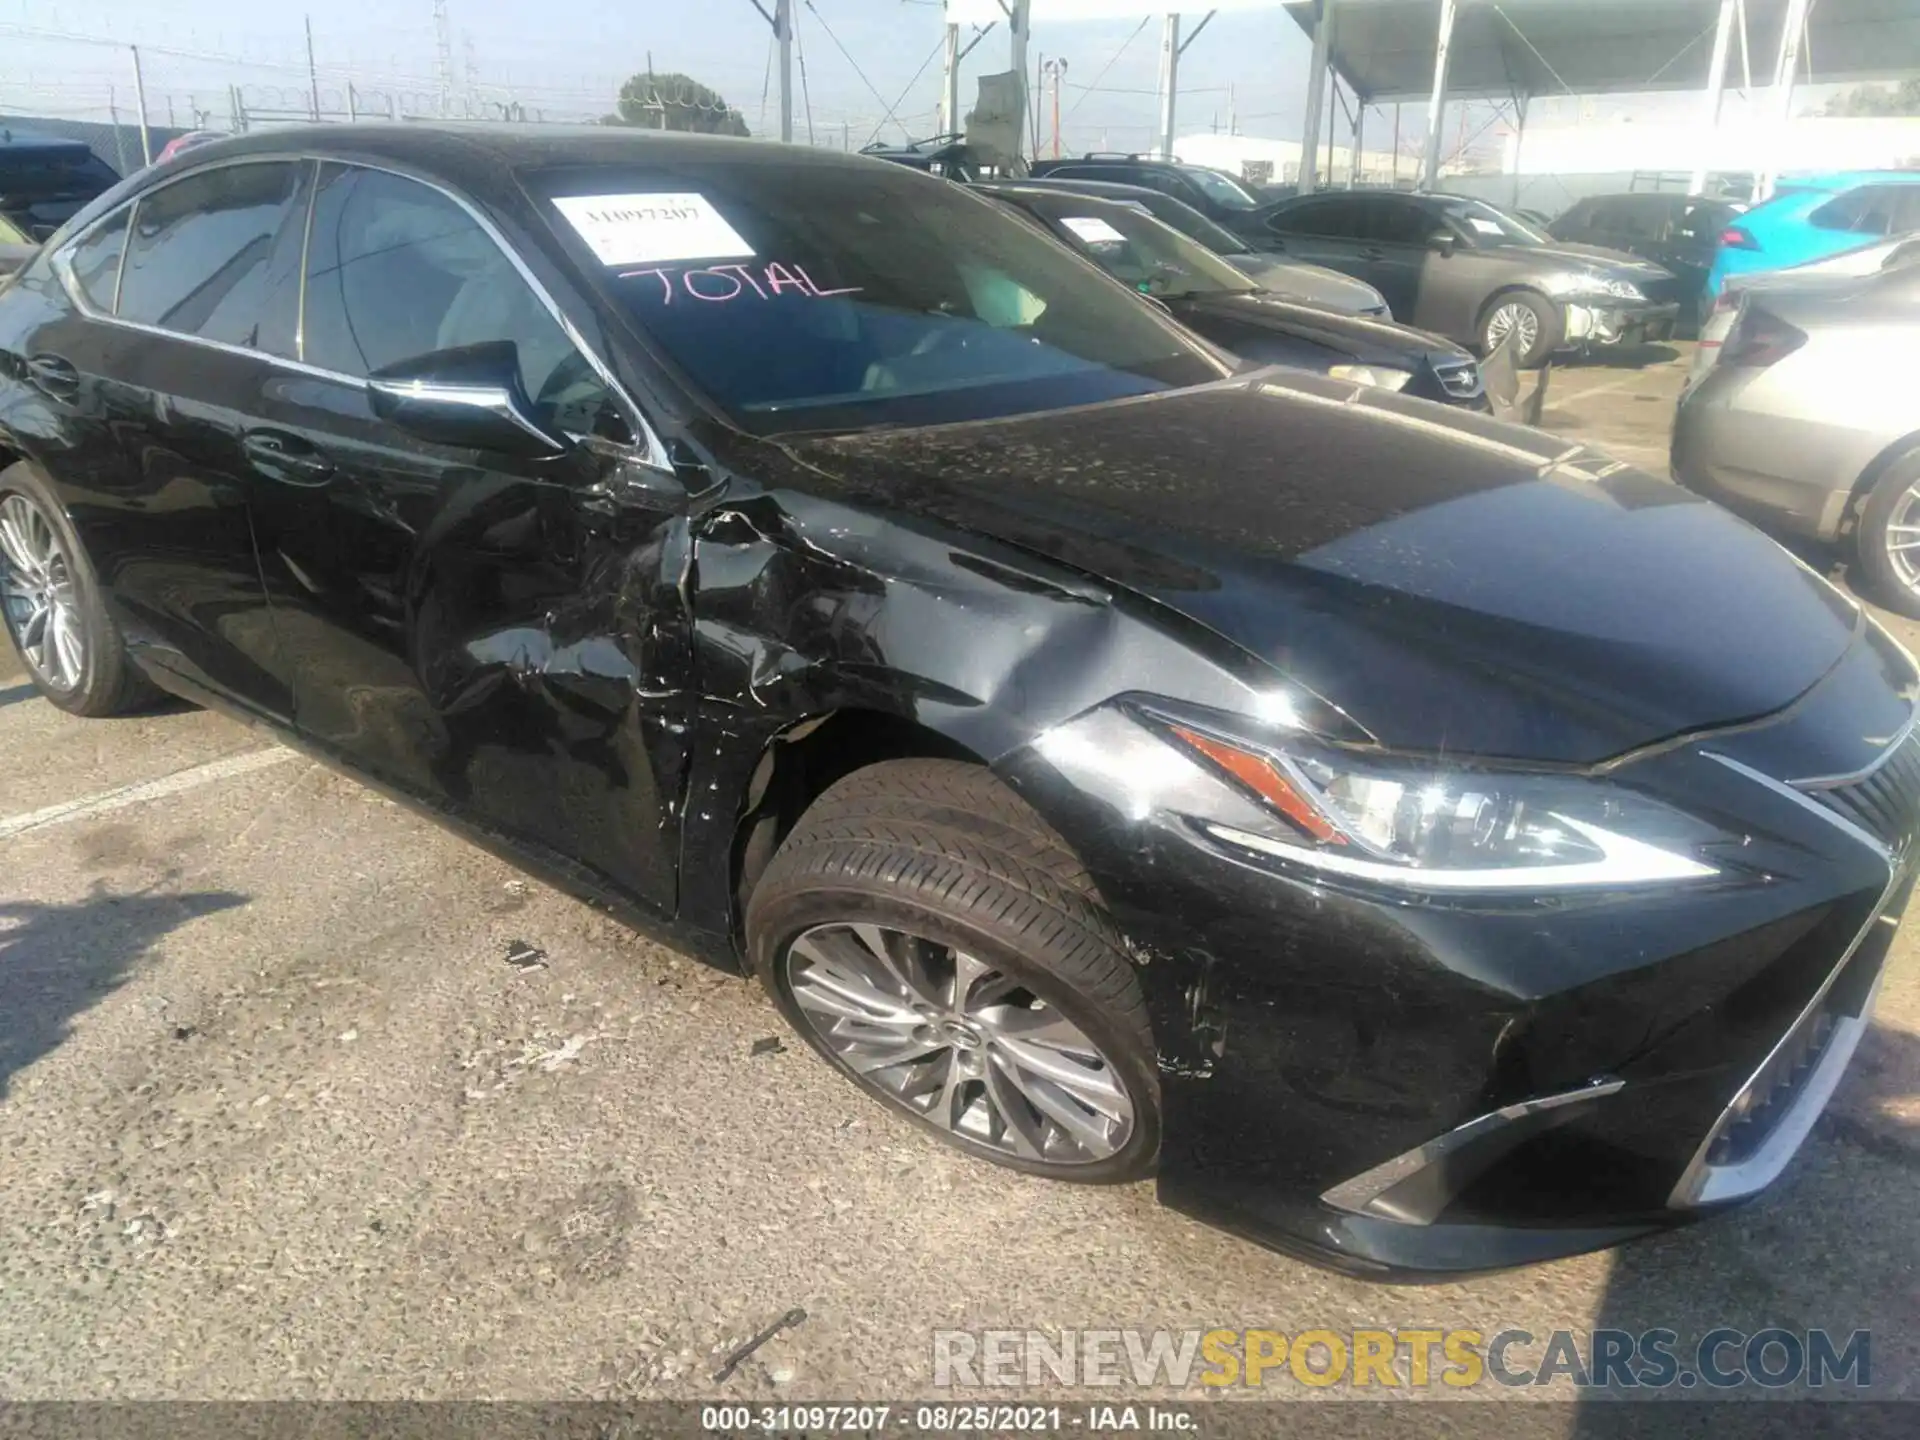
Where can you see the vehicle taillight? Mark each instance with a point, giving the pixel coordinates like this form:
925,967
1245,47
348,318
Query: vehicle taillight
1735,238
1759,339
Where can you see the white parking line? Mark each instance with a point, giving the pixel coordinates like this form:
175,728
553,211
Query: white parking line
1621,382
174,784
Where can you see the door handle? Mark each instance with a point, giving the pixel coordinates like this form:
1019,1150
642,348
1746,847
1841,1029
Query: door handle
53,376
280,456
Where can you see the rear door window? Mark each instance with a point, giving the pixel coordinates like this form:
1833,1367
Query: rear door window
1398,222
94,263
196,261
1336,217
1869,210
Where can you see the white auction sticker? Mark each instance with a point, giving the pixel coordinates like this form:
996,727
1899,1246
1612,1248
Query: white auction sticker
1485,227
1093,230
652,229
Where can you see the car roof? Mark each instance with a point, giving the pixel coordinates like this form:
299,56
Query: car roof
482,153
1847,179
1110,189
14,138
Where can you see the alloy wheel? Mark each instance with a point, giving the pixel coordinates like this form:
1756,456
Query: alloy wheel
38,592
945,1036
1903,539
1515,320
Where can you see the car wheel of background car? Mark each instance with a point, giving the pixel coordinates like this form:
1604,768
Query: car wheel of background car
1532,320
51,600
927,932
1889,537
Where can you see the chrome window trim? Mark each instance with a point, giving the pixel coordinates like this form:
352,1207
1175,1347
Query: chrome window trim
654,450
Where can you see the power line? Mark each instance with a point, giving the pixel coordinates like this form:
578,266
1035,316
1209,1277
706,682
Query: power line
939,45
849,58
1111,62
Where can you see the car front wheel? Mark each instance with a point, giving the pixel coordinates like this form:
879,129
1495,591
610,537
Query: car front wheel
51,601
924,930
1529,322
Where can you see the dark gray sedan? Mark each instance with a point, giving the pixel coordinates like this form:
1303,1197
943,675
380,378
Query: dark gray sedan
1474,273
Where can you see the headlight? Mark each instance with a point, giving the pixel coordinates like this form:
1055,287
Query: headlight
1590,283
1385,376
1418,825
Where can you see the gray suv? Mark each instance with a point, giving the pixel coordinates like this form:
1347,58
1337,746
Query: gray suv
1478,275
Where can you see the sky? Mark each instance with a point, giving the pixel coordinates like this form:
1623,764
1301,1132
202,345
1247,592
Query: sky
566,59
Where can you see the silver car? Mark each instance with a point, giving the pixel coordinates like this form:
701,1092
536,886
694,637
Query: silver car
1808,423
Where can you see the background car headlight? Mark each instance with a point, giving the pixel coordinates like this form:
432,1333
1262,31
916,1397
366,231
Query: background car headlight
1385,376
1413,824
1583,284
1624,290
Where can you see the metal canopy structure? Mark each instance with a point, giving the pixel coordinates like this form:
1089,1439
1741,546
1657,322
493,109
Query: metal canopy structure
1511,50
1385,50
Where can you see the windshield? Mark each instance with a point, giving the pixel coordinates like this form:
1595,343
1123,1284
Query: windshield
1131,245
1222,189
1190,223
1487,225
817,296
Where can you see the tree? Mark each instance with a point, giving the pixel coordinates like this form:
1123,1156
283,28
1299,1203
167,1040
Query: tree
1864,100
672,101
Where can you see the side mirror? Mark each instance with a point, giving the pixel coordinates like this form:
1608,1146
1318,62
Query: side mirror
471,397
1443,242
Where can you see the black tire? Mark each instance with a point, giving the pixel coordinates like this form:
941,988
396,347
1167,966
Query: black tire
1549,326
1879,579
943,850
109,682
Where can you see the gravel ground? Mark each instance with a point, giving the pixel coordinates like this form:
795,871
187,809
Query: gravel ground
278,1120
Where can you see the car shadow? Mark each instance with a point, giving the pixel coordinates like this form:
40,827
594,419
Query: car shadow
1620,357
57,961
1830,1247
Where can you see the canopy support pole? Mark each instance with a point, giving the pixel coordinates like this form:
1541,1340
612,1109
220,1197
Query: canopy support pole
1437,106
1169,82
1316,96
1716,90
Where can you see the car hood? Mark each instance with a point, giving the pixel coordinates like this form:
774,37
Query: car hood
1580,257
1315,284
15,257
1221,317
1453,583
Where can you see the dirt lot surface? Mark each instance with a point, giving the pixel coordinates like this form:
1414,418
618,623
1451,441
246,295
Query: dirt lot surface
277,1119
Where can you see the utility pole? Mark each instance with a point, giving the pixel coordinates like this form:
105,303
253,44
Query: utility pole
140,99
1019,21
1056,70
313,74
1169,82
783,35
950,84
443,57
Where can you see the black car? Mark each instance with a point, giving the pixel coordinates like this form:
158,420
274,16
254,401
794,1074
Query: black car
948,155
1422,843
44,180
1268,268
1469,271
1214,193
1679,233
1221,303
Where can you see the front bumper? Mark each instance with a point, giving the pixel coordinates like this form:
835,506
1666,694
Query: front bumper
1596,323
1408,1087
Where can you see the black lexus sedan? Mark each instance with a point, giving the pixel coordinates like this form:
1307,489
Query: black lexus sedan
1218,301
1422,844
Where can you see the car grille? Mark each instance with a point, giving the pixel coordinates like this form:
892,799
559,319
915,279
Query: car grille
1460,380
1883,801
